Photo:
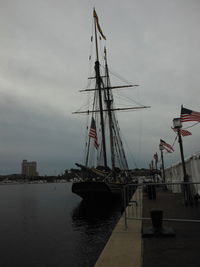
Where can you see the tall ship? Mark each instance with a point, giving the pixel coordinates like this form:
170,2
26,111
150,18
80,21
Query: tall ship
105,169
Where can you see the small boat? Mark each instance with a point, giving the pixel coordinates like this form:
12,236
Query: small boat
105,170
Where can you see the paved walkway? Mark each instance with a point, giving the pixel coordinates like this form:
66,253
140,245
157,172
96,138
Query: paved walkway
183,250
123,249
127,248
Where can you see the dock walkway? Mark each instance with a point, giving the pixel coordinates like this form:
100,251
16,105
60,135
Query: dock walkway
183,250
128,248
123,249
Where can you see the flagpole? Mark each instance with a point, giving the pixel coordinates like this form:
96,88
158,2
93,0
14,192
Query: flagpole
185,176
182,155
163,167
186,189
156,165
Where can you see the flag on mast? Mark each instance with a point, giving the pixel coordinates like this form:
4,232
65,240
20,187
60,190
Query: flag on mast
93,133
97,23
189,115
166,146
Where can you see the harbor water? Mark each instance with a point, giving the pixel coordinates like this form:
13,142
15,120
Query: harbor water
46,225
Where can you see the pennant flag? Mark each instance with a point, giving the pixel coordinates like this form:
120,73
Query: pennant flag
97,23
166,146
189,115
93,133
182,132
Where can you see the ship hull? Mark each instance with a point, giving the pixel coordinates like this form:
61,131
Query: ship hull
97,190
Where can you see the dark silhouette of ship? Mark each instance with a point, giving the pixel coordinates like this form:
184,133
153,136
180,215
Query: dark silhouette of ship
105,170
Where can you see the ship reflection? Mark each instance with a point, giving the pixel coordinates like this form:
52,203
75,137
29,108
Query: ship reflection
94,211
93,224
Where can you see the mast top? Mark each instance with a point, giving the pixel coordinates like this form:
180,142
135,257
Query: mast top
96,19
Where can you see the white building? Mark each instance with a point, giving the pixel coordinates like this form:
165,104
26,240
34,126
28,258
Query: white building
29,168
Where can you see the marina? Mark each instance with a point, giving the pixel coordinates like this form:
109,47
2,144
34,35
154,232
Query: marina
46,225
97,178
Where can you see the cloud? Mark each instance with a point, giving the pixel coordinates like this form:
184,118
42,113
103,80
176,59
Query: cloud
44,50
36,133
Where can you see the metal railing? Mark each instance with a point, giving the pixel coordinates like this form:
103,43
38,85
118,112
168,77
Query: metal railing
179,193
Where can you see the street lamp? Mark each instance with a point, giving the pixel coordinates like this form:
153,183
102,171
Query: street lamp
178,125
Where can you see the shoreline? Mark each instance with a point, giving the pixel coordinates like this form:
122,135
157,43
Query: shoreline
33,182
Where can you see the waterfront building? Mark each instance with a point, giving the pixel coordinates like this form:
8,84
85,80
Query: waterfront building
29,168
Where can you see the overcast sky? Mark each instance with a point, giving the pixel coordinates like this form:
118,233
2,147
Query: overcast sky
44,50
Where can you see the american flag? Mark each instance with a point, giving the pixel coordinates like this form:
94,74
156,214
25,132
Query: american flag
93,133
182,132
166,146
189,115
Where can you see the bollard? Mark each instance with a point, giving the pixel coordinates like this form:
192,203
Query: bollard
151,189
156,218
157,229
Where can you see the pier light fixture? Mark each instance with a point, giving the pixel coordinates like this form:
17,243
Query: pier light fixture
177,123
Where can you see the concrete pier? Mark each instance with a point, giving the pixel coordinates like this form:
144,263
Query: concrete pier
124,248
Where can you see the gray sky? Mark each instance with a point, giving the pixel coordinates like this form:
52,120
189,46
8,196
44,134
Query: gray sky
44,49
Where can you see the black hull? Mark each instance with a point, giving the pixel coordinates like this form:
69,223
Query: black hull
97,190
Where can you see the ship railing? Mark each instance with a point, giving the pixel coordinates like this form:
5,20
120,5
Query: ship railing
178,201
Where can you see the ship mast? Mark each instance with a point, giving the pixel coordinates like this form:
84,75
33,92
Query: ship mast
109,101
104,104
99,84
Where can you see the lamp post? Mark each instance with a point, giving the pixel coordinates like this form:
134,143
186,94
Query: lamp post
163,167
178,125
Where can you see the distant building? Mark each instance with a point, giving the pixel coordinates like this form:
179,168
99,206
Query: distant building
29,168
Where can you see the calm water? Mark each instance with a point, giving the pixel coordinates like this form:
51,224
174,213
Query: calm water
46,225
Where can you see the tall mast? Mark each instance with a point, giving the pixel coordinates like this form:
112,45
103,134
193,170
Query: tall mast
99,84
109,102
104,102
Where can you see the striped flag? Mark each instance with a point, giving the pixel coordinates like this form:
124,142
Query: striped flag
93,133
189,115
182,132
166,146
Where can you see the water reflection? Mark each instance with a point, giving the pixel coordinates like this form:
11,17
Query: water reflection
47,225
94,222
90,211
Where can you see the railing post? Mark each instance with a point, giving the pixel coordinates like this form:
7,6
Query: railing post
125,218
